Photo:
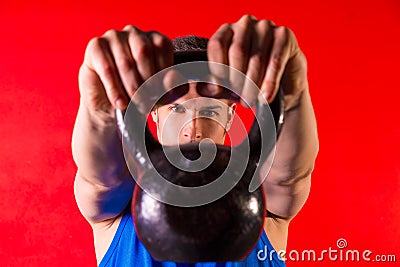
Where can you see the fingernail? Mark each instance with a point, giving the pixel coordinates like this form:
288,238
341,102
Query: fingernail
266,96
215,90
120,104
270,98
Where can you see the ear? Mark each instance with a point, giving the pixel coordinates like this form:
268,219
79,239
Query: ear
154,115
231,115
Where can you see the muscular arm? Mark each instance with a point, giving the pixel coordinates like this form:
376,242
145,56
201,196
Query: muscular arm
288,182
103,185
269,55
114,67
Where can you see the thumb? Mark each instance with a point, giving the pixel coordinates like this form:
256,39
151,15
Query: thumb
93,93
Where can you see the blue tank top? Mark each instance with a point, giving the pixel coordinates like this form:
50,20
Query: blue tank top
126,250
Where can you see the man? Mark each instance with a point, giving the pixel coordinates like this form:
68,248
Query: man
117,63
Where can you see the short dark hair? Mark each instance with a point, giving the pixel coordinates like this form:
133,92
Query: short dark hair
189,43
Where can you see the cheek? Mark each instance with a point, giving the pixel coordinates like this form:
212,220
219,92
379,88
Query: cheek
212,129
169,128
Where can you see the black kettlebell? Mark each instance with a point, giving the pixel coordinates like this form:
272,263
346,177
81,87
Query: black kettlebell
225,229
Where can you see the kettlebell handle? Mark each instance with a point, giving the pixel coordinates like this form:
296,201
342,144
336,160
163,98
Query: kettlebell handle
133,137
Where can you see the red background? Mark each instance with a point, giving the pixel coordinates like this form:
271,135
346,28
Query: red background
353,54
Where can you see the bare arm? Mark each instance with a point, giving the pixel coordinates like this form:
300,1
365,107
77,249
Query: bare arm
103,185
288,182
269,55
114,67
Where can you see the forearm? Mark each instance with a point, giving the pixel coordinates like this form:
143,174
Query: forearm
97,149
297,145
288,182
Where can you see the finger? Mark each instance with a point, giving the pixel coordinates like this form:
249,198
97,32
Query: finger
239,49
163,51
123,60
260,47
173,78
217,51
154,91
277,61
175,84
142,52
92,91
294,79
98,58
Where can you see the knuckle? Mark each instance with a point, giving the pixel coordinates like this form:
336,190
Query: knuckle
111,34
264,24
282,29
284,32
247,19
130,28
141,45
288,38
157,39
224,32
225,27
95,43
161,41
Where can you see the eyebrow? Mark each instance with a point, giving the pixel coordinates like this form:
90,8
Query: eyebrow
212,107
203,107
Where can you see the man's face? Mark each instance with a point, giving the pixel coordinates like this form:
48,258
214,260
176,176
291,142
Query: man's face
193,118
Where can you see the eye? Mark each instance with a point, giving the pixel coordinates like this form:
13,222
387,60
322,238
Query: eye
208,113
178,108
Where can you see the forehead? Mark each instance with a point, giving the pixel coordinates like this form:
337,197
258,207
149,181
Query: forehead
197,102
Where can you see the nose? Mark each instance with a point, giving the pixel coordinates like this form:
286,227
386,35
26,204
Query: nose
191,131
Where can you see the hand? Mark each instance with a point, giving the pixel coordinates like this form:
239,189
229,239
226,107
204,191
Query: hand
117,63
268,54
